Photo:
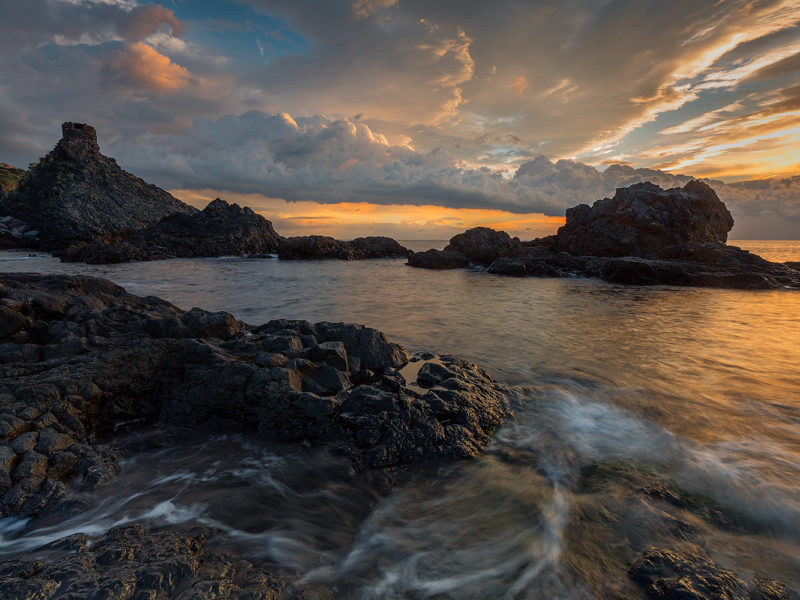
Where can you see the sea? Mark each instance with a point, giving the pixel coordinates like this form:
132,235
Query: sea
695,389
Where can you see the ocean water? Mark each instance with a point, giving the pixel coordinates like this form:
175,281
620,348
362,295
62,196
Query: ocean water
627,385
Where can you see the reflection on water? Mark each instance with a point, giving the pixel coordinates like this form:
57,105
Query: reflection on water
701,385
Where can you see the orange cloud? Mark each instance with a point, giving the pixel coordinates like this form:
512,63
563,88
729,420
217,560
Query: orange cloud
348,220
141,66
521,85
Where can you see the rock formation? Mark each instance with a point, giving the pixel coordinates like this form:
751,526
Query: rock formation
646,221
75,194
319,246
78,355
220,229
642,236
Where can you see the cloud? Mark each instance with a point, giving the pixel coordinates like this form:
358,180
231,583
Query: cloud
140,66
336,162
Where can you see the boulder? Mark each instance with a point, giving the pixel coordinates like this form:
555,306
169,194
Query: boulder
144,360
483,245
646,221
438,259
324,247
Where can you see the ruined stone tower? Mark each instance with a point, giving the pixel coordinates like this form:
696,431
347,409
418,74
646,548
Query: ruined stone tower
78,140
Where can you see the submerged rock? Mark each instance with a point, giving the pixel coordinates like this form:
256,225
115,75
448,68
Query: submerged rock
76,194
79,356
220,229
320,246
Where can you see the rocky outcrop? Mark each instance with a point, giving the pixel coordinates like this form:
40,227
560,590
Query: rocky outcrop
220,229
646,221
75,194
79,355
642,236
320,247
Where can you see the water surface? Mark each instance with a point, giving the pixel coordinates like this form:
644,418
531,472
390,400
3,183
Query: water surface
700,386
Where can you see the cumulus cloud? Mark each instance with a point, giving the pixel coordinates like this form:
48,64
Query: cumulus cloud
321,160
140,66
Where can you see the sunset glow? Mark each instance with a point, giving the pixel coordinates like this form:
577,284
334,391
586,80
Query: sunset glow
438,112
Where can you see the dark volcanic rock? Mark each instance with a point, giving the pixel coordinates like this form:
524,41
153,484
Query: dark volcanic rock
131,562
483,245
688,573
438,259
646,221
17,234
79,355
642,236
77,194
320,246
220,229
479,245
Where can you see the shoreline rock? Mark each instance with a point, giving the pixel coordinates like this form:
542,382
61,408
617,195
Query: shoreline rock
324,247
79,355
642,236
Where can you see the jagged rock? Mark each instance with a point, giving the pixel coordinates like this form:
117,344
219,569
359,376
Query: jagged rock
144,359
221,229
642,236
320,246
688,573
76,194
646,221
131,562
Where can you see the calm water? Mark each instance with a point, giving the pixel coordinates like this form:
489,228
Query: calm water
701,386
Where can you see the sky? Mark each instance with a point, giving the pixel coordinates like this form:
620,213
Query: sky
418,119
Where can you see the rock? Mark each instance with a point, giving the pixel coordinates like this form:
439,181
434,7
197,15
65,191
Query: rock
146,360
9,179
438,259
646,221
131,562
677,574
75,194
323,247
483,245
220,229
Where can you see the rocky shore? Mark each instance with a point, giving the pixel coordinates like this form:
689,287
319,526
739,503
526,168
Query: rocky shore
644,235
81,206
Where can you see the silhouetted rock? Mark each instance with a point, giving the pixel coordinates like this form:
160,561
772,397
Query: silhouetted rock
479,245
642,236
646,221
79,355
483,245
321,247
438,259
75,194
220,229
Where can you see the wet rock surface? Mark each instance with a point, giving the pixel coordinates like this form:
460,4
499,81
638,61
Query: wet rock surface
180,562
75,193
79,356
220,229
321,247
644,235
